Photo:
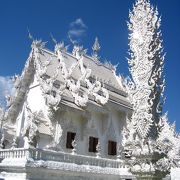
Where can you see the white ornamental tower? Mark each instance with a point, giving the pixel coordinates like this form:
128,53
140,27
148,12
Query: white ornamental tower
146,65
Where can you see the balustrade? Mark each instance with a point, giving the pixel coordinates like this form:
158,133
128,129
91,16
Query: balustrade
48,155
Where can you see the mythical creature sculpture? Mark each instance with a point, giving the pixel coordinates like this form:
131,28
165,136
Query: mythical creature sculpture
74,144
30,131
98,149
81,97
52,94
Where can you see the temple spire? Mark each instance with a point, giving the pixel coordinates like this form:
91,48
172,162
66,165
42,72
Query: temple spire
146,64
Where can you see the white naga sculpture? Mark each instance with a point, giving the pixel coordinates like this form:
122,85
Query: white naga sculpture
30,131
52,94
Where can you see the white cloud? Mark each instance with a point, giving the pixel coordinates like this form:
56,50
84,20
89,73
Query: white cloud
76,32
77,29
78,22
6,88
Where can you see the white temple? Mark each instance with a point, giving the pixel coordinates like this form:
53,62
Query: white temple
72,117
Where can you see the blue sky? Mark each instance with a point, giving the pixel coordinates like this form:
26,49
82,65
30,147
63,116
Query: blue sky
84,20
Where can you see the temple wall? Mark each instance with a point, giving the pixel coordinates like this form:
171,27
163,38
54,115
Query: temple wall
104,126
35,98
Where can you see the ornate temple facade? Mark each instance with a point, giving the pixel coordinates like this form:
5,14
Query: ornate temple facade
72,117
68,113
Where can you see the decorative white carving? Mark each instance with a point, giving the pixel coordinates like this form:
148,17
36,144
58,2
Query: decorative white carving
145,91
58,133
2,139
96,48
74,144
146,67
142,166
52,94
9,100
16,80
98,149
80,97
30,131
14,143
167,143
2,113
63,162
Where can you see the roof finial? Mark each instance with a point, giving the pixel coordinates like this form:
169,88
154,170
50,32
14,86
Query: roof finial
30,35
96,47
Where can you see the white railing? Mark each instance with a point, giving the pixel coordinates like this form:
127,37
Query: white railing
14,153
48,155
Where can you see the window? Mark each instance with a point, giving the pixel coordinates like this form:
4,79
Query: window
70,139
92,144
112,148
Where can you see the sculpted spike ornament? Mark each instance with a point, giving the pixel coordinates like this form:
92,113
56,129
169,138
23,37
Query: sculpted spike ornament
36,46
96,47
146,67
167,143
78,51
